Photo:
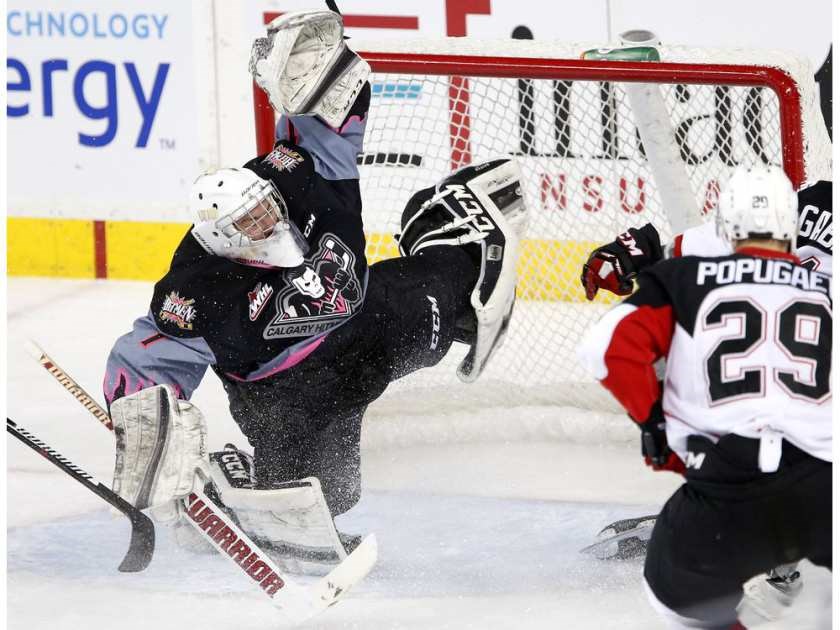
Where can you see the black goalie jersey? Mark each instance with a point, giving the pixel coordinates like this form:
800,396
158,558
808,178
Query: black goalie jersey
748,344
252,322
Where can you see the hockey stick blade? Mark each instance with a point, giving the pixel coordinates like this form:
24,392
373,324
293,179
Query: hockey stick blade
352,570
142,545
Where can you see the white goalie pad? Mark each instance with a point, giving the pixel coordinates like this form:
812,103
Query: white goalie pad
482,205
160,444
305,68
292,522
500,194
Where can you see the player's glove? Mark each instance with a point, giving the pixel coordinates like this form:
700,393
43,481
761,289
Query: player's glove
658,455
613,266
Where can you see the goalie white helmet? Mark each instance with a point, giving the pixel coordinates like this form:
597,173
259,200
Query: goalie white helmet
759,203
243,217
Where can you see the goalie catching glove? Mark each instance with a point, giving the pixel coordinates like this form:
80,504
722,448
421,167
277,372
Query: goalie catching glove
613,266
160,445
305,68
480,208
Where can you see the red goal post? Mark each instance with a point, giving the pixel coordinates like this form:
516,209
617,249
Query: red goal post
576,126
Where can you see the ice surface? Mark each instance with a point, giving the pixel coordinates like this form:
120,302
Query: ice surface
479,516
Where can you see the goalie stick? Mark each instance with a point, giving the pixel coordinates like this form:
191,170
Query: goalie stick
298,602
68,383
142,545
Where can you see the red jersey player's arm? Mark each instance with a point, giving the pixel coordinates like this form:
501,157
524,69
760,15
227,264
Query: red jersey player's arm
622,347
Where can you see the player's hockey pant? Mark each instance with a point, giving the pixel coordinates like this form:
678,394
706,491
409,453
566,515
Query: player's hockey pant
306,421
730,522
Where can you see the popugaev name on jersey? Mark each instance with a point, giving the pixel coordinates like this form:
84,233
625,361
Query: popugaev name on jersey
761,271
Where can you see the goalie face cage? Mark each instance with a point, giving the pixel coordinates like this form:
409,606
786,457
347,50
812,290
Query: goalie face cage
603,146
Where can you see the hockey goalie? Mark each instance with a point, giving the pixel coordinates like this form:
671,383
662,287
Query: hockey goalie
271,289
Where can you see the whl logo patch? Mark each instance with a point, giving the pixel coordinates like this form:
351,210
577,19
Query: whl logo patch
257,299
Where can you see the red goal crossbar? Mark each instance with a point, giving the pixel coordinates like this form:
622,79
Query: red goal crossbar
460,67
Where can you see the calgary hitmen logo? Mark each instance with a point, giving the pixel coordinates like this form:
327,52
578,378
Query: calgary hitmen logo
320,293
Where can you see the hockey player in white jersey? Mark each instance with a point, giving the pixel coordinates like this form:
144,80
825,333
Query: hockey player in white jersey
613,267
744,411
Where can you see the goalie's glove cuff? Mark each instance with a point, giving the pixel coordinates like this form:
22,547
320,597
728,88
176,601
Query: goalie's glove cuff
613,266
658,455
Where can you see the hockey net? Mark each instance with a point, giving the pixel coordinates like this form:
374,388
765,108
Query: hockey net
576,128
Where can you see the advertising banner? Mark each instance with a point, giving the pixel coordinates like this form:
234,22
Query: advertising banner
102,111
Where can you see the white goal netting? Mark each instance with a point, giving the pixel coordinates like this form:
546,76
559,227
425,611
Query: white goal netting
603,146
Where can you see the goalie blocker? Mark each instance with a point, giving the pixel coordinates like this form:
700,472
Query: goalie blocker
160,446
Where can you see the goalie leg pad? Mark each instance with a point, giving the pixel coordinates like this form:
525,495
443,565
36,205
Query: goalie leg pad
291,520
305,68
481,208
311,438
160,444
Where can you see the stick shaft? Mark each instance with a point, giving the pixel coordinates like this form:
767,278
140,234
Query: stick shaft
67,382
142,545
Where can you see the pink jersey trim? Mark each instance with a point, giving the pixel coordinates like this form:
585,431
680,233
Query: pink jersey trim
347,123
253,263
290,362
112,382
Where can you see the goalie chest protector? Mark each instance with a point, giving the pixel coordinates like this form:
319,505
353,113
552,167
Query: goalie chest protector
257,320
